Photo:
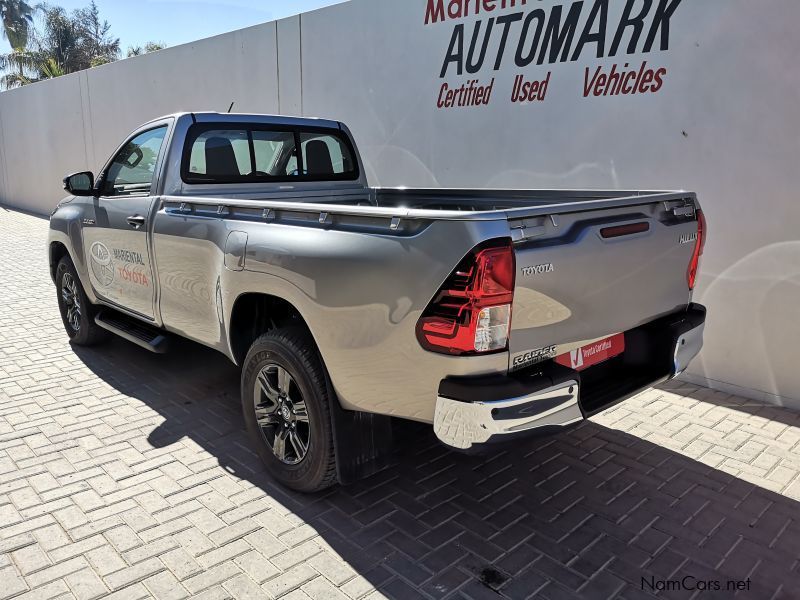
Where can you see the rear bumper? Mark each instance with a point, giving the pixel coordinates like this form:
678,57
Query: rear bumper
472,411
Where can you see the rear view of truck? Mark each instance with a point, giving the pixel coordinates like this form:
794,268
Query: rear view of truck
592,303
488,313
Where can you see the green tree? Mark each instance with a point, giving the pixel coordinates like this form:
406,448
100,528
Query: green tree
29,68
60,43
17,17
148,48
96,44
20,66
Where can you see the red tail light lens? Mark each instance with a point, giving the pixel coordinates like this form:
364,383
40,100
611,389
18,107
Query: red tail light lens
471,312
700,242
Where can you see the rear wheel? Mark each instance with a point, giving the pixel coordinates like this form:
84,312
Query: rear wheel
285,401
77,312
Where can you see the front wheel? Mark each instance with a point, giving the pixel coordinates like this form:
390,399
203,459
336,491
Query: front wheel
77,312
286,408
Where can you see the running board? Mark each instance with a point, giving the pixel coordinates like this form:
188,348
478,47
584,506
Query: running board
144,335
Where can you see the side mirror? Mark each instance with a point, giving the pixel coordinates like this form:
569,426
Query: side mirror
80,184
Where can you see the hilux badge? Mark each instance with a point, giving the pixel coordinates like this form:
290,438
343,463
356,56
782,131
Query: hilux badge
687,238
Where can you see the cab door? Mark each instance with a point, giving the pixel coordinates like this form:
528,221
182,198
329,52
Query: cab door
117,246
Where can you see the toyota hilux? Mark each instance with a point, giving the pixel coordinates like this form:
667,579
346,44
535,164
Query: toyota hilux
488,314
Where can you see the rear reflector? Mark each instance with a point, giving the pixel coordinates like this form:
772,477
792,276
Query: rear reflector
699,244
471,312
620,230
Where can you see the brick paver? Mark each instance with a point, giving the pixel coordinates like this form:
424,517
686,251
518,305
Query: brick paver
129,474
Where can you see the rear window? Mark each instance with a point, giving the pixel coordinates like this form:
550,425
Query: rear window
254,153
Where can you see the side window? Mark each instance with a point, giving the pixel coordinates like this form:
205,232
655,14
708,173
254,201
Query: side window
132,170
325,155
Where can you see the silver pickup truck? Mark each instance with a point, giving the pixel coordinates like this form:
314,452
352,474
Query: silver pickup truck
489,314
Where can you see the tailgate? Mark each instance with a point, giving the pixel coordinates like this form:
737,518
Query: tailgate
582,276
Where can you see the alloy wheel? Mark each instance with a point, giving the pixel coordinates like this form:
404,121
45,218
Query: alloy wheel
72,301
281,414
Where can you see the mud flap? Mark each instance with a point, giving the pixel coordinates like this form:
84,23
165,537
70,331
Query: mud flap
363,443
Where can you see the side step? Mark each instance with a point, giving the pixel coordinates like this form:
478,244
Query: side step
144,335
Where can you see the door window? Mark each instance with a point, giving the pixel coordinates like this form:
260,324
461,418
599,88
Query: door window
133,168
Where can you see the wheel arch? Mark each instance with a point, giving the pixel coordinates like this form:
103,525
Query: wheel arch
362,441
56,252
256,313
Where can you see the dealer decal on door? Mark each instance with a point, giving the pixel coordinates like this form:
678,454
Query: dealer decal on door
106,265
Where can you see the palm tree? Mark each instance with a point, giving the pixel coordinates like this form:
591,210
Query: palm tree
23,66
148,48
63,43
17,17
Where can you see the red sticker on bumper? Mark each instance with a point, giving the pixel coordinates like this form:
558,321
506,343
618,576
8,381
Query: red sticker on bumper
593,354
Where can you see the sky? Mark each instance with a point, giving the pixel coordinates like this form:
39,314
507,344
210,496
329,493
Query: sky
174,22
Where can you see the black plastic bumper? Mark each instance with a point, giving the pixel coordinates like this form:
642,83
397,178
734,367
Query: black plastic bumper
653,353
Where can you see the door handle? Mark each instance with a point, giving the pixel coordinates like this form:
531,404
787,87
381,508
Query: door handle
135,221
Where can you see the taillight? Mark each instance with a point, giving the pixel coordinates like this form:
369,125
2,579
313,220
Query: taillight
700,242
471,312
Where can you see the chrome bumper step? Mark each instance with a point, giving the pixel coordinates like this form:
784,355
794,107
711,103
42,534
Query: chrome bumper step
478,410
463,424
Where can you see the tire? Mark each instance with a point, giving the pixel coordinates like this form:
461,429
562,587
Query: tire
77,313
286,407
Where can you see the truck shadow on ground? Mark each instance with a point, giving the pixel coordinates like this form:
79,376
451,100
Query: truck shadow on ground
592,513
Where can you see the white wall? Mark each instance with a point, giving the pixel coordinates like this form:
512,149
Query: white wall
75,122
725,124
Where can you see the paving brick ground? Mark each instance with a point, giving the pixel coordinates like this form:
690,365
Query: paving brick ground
129,474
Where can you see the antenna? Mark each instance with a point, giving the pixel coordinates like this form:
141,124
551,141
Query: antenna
230,108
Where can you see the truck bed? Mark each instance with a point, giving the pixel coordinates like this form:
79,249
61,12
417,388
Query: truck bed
574,284
435,203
